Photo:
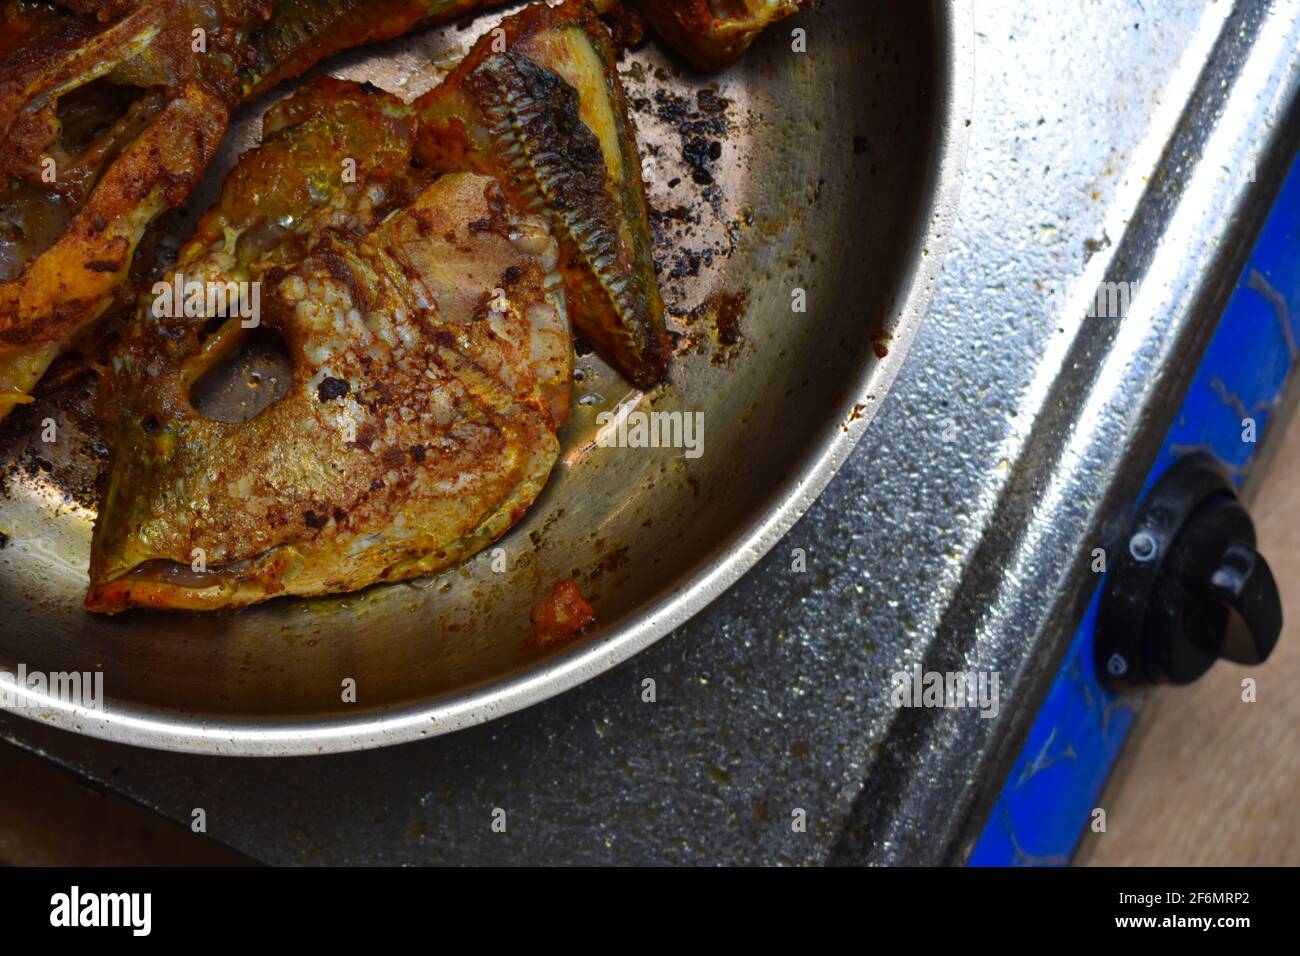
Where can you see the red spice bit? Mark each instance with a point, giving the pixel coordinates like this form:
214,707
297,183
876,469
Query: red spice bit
562,615
730,307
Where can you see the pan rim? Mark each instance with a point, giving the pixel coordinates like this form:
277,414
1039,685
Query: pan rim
252,737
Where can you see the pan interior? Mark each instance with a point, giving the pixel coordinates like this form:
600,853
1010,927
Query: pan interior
789,196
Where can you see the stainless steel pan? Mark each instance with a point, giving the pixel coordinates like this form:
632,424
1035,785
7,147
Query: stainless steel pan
835,180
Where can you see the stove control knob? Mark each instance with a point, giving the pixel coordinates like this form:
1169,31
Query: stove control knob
1187,586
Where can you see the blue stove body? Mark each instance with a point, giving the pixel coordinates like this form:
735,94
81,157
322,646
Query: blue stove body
1048,799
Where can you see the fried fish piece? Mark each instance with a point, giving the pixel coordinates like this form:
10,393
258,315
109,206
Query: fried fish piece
432,365
334,155
103,126
713,34
538,105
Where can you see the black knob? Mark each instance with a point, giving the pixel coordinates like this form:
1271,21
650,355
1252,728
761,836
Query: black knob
1186,587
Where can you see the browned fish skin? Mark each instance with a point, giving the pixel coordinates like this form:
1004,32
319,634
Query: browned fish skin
714,34
540,107
432,367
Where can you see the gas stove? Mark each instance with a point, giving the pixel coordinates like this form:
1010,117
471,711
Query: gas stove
1120,291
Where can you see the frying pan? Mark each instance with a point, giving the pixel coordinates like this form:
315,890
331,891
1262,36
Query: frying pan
801,201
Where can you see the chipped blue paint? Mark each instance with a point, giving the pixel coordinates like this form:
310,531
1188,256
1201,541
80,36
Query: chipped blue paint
1048,799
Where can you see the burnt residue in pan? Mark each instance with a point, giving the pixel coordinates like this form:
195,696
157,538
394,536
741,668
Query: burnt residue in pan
56,442
692,139
689,152
716,324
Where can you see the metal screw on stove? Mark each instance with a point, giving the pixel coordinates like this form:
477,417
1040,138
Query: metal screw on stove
1143,546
